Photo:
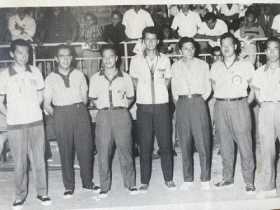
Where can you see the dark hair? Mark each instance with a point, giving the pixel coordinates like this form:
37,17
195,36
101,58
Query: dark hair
19,42
150,30
64,46
210,16
93,16
234,40
272,39
186,39
108,47
251,12
116,12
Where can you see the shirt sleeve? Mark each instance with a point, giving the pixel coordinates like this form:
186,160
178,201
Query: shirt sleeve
275,23
207,83
84,85
3,84
250,72
48,91
224,27
129,88
167,73
133,70
40,80
201,29
92,88
12,28
213,73
175,25
256,80
149,20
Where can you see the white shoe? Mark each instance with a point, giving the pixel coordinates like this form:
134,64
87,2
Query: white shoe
205,185
266,193
186,186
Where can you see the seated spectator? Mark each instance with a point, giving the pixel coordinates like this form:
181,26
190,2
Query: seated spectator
22,25
276,26
135,20
114,32
91,33
230,14
250,30
186,22
265,19
212,28
61,26
167,48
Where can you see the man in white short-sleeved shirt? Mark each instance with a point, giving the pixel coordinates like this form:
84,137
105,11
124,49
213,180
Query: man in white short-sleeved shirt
186,22
151,76
135,20
230,79
22,86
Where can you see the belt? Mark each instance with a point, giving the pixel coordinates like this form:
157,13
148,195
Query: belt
230,99
270,101
113,108
189,96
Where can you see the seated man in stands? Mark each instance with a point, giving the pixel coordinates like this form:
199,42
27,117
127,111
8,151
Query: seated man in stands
276,26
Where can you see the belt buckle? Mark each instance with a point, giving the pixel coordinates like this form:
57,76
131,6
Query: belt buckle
190,96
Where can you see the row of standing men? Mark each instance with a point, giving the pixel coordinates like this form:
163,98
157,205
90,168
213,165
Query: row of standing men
65,94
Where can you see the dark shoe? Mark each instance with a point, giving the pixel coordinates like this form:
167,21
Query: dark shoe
224,184
133,190
93,188
68,194
250,189
45,200
143,188
174,153
170,185
103,194
18,204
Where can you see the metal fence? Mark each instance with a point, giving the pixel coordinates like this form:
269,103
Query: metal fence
47,64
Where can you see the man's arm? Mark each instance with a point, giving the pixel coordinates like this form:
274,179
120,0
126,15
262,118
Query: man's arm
3,108
48,98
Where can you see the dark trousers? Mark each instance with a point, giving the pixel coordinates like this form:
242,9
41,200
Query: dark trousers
113,127
233,124
194,126
73,132
154,119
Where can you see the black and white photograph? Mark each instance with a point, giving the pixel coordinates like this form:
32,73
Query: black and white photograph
139,105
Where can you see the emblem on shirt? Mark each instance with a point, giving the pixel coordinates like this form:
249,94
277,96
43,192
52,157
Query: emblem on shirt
121,93
161,73
236,79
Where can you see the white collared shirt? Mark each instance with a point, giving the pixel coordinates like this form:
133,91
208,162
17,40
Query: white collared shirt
267,84
219,29
21,90
276,23
27,23
224,9
140,70
62,95
231,82
188,25
192,80
136,22
114,93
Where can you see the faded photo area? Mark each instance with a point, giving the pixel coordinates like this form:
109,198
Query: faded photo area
168,106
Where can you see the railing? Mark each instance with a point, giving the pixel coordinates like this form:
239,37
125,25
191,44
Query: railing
47,64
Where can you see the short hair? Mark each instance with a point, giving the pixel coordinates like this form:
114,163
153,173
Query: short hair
272,39
251,12
19,42
93,16
210,16
64,46
229,35
116,12
108,47
186,39
150,30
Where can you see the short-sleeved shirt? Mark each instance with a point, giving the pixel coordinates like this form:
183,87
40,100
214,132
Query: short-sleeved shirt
219,29
276,23
135,22
225,10
193,79
21,90
62,94
231,82
267,83
111,93
187,24
151,87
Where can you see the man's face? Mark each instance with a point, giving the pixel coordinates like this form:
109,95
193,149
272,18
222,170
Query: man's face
185,9
115,19
90,21
272,51
211,23
151,41
250,18
188,50
109,59
21,13
21,55
228,47
64,58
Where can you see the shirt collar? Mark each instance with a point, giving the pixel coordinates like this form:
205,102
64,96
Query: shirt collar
102,73
13,72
